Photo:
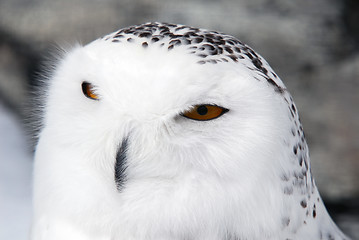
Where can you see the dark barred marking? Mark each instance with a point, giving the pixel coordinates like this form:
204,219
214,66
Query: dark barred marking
303,203
285,221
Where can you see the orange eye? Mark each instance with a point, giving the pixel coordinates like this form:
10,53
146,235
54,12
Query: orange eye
88,91
205,112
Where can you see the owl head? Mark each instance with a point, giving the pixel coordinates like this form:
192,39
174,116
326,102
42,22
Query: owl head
167,130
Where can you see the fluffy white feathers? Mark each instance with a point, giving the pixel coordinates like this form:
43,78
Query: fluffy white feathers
243,175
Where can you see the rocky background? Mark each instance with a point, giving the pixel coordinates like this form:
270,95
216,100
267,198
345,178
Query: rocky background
312,45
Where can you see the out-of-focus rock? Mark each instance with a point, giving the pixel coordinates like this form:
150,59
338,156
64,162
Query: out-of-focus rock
16,64
331,120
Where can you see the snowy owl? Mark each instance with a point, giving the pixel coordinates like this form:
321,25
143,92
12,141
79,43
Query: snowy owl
162,131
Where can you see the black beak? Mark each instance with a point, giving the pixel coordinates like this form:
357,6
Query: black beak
121,164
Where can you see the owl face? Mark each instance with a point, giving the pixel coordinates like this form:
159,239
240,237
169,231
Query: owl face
105,93
191,125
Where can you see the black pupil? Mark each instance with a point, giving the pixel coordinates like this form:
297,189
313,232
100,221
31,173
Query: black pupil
202,110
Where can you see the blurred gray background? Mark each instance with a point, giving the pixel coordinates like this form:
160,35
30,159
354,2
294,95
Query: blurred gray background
312,45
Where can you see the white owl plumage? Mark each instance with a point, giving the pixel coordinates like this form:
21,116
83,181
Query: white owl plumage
127,162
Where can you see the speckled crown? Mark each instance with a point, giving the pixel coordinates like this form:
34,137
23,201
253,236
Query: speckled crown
209,46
